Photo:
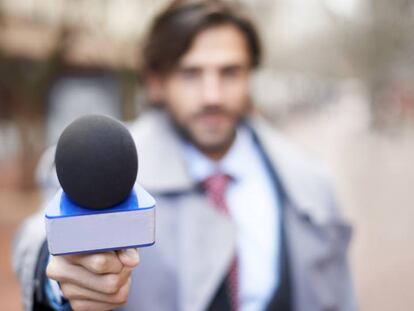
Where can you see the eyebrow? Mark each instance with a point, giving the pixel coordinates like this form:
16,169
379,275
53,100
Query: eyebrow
221,67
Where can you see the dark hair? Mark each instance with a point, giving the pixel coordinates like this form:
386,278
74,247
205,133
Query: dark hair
174,29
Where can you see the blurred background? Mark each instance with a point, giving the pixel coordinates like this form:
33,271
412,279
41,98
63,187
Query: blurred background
338,79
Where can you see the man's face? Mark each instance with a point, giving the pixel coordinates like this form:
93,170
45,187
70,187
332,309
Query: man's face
207,94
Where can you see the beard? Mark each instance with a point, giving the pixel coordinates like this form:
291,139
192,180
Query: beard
212,130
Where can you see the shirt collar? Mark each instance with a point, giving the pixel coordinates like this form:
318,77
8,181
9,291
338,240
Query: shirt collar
234,163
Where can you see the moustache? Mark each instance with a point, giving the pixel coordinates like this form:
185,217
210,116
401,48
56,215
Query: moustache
211,111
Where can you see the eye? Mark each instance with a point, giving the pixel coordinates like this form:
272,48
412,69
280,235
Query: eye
231,71
189,73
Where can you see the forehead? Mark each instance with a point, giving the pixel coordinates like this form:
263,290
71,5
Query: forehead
217,46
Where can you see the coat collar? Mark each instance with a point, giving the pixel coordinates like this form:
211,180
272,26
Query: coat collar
162,166
304,181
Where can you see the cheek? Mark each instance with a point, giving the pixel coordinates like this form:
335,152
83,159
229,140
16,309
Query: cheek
181,100
183,89
237,95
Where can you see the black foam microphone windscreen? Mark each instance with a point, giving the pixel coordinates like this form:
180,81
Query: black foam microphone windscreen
96,161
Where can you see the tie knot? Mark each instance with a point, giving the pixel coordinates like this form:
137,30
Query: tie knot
217,183
215,187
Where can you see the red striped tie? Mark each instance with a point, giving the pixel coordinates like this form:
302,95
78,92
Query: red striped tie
215,187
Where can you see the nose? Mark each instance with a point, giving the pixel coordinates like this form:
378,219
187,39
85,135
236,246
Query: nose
211,89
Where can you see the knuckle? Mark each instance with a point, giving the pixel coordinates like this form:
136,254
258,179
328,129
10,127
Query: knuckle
99,263
66,290
51,270
122,296
112,284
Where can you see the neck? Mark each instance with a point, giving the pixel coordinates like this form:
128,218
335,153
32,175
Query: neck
216,155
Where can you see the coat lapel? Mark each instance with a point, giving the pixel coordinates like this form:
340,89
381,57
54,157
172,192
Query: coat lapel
161,163
207,245
313,252
316,235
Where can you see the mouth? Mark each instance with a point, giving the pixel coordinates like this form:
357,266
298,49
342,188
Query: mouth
212,119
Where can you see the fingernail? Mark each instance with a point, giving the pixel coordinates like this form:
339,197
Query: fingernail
132,254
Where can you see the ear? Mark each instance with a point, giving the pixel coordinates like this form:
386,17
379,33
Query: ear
153,88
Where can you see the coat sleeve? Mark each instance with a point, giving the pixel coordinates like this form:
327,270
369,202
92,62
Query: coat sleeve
31,236
25,256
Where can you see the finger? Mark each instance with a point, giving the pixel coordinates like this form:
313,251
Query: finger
74,292
129,257
100,263
64,272
90,305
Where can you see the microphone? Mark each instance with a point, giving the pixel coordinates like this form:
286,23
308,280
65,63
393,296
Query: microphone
96,161
99,207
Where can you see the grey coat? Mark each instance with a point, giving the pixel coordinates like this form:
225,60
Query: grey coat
195,243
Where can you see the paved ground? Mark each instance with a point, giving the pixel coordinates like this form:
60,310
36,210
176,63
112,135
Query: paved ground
374,175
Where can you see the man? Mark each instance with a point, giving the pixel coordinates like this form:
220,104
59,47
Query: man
243,221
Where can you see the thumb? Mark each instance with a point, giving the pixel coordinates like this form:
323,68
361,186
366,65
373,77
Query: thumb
129,257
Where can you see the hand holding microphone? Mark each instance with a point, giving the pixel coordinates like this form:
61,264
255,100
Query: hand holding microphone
97,221
99,281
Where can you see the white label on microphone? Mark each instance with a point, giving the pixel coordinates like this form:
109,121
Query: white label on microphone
124,226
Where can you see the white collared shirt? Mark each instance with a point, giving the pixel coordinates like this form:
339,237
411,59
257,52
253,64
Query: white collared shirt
254,207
